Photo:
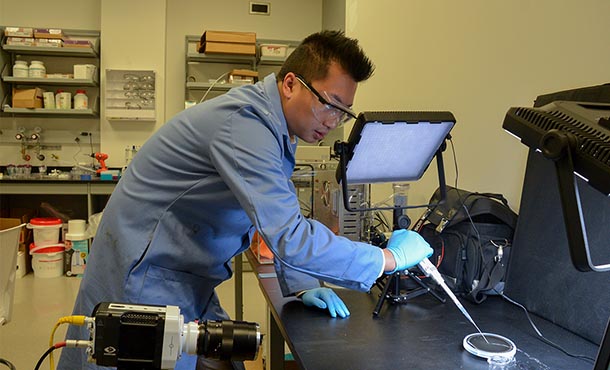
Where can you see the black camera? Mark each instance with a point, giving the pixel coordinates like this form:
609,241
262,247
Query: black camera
133,336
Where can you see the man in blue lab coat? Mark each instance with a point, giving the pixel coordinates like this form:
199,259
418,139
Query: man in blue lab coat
199,187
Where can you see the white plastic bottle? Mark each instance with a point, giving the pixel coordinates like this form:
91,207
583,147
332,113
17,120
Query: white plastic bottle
37,69
81,101
20,69
63,100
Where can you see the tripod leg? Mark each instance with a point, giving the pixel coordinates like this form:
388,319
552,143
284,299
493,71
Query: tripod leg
425,286
383,296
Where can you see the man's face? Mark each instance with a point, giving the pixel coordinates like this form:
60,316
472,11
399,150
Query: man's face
307,117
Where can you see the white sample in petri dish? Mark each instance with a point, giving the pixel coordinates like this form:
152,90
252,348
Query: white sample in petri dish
492,347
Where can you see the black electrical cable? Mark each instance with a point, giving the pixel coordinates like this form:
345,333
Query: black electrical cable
92,152
542,337
379,216
47,353
8,364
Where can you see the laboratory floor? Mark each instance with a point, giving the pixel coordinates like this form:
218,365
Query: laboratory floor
39,302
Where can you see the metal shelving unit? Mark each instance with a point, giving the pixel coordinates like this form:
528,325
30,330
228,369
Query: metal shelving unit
52,81
57,58
201,70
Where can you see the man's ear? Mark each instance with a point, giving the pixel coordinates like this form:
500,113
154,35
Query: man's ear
288,84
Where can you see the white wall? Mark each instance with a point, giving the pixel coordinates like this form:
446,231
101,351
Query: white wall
133,37
477,59
82,14
333,15
289,20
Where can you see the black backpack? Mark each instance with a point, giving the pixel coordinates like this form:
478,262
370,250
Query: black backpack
471,234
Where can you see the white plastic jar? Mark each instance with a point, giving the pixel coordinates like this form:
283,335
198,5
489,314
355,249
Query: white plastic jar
20,69
81,101
37,69
63,100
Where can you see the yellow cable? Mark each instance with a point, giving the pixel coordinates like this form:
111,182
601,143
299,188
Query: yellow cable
74,320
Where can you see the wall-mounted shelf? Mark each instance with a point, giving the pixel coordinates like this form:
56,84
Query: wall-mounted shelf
130,95
271,61
80,52
55,51
51,81
220,58
202,69
92,112
56,112
206,85
59,61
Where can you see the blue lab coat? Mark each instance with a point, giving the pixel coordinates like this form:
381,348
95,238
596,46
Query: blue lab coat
189,202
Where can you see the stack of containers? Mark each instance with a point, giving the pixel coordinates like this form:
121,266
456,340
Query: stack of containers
77,248
47,252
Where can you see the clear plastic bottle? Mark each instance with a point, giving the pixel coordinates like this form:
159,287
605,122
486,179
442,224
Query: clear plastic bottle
401,193
20,69
81,101
37,69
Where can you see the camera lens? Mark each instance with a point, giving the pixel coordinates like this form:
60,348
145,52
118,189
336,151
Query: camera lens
229,340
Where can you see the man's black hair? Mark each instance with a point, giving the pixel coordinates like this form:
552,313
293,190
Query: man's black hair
312,58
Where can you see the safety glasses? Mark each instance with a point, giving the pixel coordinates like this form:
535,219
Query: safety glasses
330,111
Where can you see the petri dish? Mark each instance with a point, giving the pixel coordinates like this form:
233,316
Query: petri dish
496,347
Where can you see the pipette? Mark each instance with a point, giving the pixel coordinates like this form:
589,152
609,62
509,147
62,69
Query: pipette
430,270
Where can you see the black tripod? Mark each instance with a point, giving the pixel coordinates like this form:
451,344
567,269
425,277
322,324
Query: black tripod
391,290
390,285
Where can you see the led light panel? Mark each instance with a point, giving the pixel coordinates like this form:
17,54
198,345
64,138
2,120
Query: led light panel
397,149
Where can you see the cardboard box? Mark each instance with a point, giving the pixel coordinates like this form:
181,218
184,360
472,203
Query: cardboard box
71,43
243,76
48,33
27,98
273,50
21,41
7,223
49,43
228,48
229,36
18,32
227,42
84,71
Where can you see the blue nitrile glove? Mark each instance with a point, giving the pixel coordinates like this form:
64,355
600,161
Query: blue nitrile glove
325,298
408,249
